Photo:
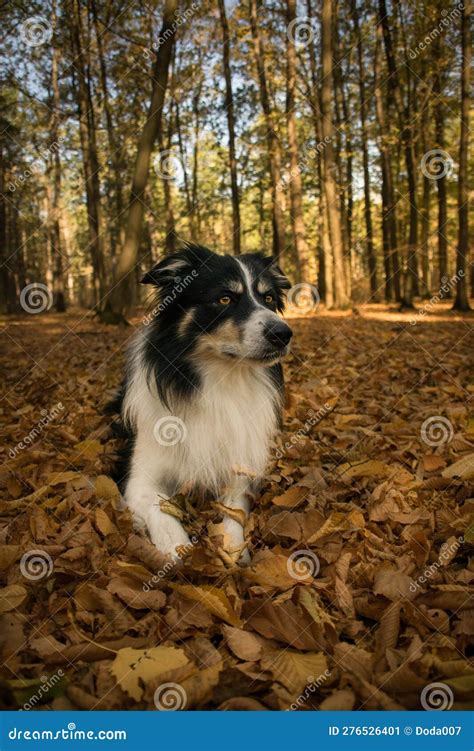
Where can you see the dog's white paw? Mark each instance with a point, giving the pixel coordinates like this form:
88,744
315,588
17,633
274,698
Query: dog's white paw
235,541
166,533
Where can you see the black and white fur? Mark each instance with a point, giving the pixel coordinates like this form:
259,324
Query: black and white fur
203,391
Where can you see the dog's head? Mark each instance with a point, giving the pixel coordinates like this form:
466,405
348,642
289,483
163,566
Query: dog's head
223,306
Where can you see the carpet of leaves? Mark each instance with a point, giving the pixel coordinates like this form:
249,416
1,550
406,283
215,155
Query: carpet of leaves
360,591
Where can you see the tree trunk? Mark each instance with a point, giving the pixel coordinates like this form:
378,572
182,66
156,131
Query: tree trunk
273,145
87,133
59,297
461,301
229,106
404,116
306,262
120,298
389,220
441,187
341,298
365,159
114,149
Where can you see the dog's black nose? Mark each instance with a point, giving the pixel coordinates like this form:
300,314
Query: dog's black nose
278,334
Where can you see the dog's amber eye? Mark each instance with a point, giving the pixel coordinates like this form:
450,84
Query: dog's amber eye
269,299
225,300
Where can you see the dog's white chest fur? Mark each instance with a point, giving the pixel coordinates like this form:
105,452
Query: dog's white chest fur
229,426
224,429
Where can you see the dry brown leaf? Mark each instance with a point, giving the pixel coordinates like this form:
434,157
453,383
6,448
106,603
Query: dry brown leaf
214,599
134,668
11,597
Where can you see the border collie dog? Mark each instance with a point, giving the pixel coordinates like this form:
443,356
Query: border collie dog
203,391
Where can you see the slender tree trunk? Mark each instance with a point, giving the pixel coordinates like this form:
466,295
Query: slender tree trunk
170,237
183,157
389,221
114,148
341,298
7,281
306,262
87,133
441,186
229,106
404,115
196,214
365,159
425,212
461,301
59,296
120,299
273,145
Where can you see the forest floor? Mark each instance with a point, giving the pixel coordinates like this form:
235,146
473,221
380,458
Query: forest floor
360,590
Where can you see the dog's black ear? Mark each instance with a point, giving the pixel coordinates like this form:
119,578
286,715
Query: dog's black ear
280,279
169,269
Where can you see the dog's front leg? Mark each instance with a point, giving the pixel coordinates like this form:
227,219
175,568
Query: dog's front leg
237,499
143,494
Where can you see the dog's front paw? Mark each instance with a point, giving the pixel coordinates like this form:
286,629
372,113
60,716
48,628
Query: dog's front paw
234,541
167,533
